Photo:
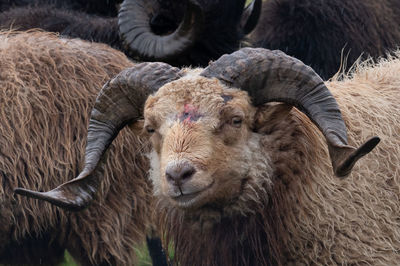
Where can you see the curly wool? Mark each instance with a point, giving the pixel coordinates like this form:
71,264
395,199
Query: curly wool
355,220
47,89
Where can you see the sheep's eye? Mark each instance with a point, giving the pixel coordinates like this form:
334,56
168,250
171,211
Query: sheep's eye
236,121
150,129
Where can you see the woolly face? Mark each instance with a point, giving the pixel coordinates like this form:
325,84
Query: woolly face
203,146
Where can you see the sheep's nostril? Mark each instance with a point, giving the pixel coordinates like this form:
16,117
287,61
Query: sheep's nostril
188,172
179,173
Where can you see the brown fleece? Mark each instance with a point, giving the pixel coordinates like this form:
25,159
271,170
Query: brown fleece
47,88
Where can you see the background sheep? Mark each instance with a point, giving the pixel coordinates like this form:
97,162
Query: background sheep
68,23
323,32
252,184
210,29
193,32
179,32
98,7
47,90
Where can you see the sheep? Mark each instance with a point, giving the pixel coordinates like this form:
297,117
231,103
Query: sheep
178,32
210,29
329,34
48,86
241,181
98,7
69,23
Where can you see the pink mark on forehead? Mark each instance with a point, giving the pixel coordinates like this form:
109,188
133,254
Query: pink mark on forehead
189,114
189,108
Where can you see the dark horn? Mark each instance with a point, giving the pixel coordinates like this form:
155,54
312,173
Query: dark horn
274,76
120,102
250,16
134,26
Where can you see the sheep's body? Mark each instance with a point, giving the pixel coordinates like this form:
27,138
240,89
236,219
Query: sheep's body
48,86
317,32
298,212
68,23
99,7
320,33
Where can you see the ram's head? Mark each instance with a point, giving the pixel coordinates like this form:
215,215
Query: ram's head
203,128
201,136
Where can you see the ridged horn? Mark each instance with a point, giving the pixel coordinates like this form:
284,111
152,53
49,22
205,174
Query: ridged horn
120,102
134,26
250,16
274,76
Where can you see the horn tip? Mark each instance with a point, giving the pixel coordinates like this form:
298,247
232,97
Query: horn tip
343,169
56,198
23,192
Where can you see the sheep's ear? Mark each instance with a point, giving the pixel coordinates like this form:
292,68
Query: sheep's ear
137,127
269,115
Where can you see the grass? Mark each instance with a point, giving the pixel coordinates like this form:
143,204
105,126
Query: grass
68,260
142,254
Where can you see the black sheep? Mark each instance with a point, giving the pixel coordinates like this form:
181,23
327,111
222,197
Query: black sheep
181,33
74,24
323,32
99,7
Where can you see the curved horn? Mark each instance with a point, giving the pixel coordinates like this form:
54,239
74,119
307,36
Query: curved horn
274,76
119,103
250,16
134,26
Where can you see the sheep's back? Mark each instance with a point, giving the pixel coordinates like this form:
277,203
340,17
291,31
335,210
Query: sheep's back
328,220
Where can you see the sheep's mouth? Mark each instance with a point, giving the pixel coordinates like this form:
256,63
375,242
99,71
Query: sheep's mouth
186,197
189,200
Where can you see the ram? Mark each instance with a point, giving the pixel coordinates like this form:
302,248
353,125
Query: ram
181,33
241,180
329,34
48,87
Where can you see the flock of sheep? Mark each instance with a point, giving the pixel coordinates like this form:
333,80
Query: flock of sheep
156,122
